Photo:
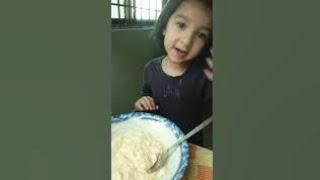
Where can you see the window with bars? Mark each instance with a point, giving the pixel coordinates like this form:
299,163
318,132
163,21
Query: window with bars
134,13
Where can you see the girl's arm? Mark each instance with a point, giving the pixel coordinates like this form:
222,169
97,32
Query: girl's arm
146,102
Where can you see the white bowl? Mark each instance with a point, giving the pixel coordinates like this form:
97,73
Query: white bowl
160,127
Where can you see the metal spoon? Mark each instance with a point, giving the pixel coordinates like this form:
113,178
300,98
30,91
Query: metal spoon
162,158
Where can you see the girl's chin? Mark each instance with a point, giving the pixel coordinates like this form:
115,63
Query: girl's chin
177,59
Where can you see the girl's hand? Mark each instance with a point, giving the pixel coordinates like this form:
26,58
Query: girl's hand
145,103
209,71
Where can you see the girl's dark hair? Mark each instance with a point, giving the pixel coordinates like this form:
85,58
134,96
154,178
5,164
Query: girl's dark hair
169,8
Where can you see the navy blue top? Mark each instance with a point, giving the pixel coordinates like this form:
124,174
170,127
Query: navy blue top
186,100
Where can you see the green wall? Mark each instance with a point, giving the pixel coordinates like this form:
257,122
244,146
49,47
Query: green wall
54,90
131,49
267,90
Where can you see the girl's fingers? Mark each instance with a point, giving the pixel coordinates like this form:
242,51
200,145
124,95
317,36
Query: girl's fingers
138,106
209,62
144,106
141,105
209,74
147,103
152,103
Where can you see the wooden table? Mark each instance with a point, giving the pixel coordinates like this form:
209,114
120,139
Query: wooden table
200,166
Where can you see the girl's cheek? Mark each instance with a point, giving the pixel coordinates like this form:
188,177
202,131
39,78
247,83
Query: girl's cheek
199,43
176,30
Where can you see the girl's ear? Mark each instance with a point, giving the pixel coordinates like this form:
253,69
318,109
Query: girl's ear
164,32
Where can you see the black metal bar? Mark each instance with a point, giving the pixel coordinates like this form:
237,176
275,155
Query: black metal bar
131,20
128,6
119,10
149,9
118,23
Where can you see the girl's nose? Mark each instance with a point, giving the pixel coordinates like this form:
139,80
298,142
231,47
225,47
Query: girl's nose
187,39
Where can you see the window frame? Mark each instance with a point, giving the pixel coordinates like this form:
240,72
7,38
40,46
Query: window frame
133,22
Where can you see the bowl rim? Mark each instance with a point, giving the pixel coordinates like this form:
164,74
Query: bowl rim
185,155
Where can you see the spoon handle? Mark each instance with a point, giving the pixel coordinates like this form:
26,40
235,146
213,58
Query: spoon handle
191,133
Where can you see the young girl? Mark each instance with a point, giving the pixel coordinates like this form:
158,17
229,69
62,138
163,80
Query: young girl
178,84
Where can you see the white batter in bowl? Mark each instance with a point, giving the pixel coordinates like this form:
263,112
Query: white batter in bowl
137,138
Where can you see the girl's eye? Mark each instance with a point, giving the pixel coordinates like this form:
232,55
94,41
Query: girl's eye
181,25
202,36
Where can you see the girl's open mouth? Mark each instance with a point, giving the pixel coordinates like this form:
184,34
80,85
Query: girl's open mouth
180,53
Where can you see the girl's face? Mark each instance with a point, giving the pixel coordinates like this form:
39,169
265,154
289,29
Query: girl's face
187,31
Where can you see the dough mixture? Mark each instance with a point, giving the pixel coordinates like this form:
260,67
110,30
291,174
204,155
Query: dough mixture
133,153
